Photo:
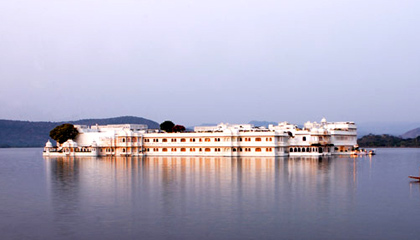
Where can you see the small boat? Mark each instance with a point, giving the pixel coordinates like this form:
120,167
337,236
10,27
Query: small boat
372,152
414,177
359,152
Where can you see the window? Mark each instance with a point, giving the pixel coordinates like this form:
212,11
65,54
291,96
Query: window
183,140
173,140
207,139
164,149
182,149
304,139
258,149
164,140
258,139
207,149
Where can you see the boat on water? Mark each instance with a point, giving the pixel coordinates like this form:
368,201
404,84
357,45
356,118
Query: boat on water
363,152
414,177
372,152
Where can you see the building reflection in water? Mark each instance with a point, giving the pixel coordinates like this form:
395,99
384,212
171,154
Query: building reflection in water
154,190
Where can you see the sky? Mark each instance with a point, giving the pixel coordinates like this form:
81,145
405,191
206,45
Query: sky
197,62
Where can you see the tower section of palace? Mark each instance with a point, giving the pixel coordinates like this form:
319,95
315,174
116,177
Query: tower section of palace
284,139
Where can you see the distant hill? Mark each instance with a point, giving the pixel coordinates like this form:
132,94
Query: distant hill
391,128
34,134
386,140
411,134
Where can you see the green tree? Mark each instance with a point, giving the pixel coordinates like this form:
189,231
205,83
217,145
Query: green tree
167,126
178,128
64,132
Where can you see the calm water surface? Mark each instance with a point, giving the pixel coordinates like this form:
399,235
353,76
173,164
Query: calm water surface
209,197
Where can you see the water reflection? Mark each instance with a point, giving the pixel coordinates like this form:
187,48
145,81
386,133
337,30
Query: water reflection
193,195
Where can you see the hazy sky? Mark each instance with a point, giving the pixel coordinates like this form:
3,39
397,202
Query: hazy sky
210,61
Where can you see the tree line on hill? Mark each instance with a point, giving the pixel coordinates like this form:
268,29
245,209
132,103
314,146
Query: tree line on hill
386,140
35,134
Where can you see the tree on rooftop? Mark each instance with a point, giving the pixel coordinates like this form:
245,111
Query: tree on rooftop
178,128
64,132
167,126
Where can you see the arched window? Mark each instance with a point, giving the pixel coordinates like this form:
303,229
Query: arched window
164,149
164,140
303,149
258,149
207,149
207,139
291,150
258,139
308,149
123,140
182,149
182,139
304,139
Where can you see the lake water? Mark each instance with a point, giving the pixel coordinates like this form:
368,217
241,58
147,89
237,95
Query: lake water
209,198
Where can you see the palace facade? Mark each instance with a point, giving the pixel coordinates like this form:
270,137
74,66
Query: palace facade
228,140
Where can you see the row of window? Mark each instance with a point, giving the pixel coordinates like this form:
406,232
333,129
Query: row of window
247,139
307,149
208,149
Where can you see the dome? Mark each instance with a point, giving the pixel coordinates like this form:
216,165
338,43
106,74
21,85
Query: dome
324,120
48,144
71,143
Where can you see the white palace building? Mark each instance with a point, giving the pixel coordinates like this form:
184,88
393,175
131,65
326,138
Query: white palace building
229,140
